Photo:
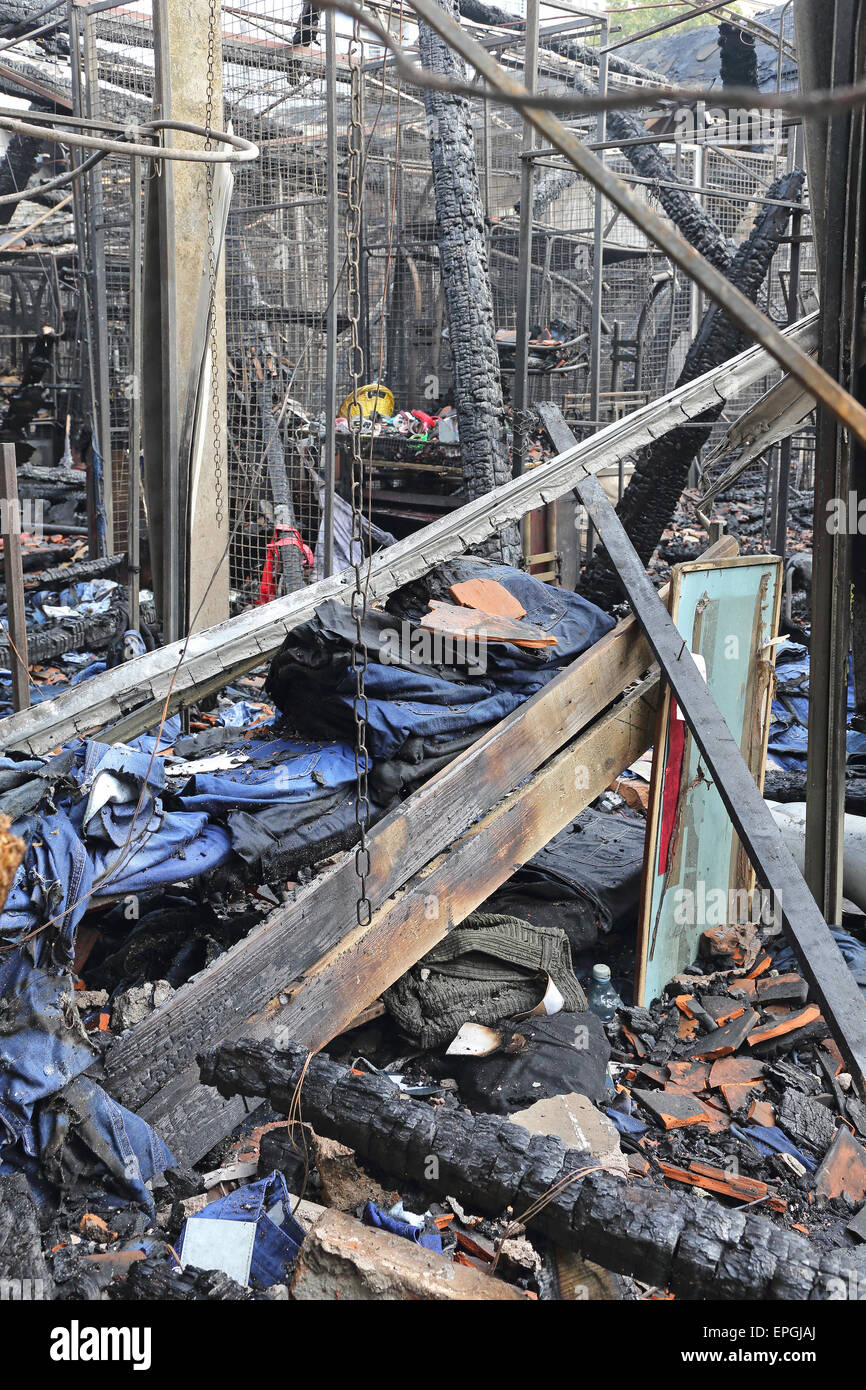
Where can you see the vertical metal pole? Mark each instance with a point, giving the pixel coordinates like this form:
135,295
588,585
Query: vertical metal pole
598,252
172,557
331,326
133,552
96,241
485,154
695,304
780,536
83,267
597,269
520,388
831,573
14,576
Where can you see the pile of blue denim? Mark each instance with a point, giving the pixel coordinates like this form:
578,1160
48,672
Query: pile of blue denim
789,727
409,701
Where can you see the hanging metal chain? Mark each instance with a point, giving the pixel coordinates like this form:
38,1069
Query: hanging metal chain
356,371
214,54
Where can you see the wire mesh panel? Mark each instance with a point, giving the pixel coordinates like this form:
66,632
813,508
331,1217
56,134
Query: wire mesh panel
41,369
276,285
276,260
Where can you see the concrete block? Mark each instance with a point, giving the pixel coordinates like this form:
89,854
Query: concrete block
341,1259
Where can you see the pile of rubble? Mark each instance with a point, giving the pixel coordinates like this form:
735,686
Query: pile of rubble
498,1123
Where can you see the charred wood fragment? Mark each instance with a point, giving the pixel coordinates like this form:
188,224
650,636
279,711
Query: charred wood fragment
24,1273
688,1244
307,28
738,58
155,1281
17,167
662,468
26,400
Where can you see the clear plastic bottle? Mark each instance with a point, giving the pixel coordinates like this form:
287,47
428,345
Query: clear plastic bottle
601,998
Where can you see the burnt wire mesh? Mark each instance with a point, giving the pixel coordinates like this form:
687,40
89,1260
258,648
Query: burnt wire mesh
39,288
274,93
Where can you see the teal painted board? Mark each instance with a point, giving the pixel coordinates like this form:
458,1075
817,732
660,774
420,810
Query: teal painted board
695,872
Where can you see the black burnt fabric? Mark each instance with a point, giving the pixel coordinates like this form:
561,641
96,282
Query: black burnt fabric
565,1053
585,881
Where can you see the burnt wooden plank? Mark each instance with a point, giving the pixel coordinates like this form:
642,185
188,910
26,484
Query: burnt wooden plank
314,1008
132,697
684,1242
243,980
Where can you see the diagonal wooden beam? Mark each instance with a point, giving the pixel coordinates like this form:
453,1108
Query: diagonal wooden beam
333,991
819,956
292,938
130,698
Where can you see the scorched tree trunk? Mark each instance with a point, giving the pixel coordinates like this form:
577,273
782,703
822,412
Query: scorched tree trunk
662,469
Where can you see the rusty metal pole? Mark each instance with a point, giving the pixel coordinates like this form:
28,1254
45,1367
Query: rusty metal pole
520,389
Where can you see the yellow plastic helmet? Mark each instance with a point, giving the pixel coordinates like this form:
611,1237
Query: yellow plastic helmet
370,399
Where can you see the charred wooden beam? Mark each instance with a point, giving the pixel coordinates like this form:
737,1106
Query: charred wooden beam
16,170
691,1245
328,996
293,938
133,697
738,58
462,241
662,470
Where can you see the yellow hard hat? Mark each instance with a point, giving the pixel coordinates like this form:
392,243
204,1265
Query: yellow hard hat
370,400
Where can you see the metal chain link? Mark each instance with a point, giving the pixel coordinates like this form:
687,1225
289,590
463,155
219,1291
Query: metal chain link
214,47
356,369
